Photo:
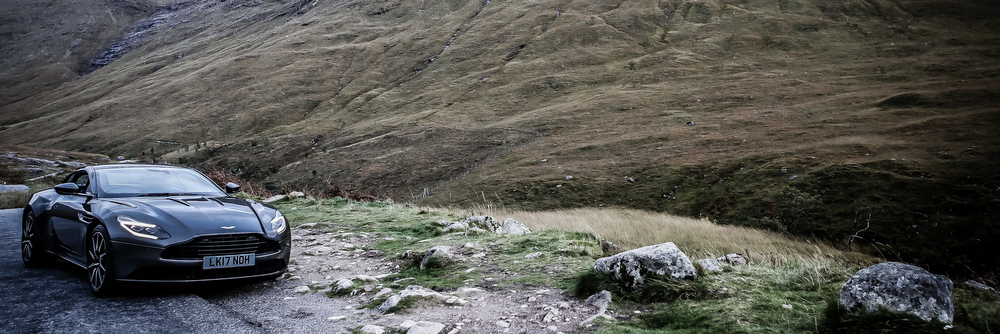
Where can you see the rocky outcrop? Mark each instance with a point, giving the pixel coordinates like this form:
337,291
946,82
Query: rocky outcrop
663,260
902,288
479,224
420,292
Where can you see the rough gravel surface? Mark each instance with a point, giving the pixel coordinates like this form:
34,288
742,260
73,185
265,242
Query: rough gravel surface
320,259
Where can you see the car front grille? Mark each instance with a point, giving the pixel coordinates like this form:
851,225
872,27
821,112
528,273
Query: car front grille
222,245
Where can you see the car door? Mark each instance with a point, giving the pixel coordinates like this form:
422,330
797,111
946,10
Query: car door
71,217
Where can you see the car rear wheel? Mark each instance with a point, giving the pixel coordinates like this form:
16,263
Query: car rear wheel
32,252
99,264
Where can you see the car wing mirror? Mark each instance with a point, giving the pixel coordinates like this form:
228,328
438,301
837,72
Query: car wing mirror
67,189
232,188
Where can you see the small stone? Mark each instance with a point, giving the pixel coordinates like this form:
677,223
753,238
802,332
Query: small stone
552,315
425,327
407,324
600,299
733,259
389,303
317,251
383,292
533,255
301,289
710,264
372,329
296,194
344,284
788,306
273,199
502,324
979,286
336,318
367,278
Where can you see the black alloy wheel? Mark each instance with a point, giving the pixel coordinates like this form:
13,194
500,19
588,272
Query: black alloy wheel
99,270
31,251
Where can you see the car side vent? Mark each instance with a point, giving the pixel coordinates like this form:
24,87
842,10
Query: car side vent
230,244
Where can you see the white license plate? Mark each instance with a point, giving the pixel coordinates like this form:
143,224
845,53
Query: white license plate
229,261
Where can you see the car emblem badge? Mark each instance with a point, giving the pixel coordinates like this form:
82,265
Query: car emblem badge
228,227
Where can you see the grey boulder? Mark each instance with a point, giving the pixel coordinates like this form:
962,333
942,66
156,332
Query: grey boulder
663,260
901,288
513,227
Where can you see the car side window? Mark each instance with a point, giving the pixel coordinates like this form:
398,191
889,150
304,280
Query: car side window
82,180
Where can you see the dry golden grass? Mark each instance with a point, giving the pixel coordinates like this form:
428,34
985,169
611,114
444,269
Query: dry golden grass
630,229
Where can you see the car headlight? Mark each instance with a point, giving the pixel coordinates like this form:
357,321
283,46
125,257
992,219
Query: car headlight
279,224
141,229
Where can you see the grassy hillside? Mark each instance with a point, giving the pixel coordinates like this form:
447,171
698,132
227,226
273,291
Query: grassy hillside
787,288
815,118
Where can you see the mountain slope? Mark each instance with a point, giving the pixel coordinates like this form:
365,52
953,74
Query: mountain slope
541,104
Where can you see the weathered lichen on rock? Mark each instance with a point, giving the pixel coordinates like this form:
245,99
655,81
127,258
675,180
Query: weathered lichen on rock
663,260
902,288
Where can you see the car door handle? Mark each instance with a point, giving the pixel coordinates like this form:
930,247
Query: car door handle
85,218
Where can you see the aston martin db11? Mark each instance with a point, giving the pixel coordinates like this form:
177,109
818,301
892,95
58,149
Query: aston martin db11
153,223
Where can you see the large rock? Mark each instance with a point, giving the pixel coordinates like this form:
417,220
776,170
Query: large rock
513,227
902,288
4,188
663,260
440,253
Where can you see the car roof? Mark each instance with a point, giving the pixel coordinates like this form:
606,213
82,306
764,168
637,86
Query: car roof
118,166
133,166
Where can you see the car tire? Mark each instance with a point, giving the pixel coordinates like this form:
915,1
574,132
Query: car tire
32,252
100,270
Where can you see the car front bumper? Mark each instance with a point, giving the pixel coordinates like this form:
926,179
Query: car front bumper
143,263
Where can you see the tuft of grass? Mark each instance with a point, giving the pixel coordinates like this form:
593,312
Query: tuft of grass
19,199
14,199
652,290
630,229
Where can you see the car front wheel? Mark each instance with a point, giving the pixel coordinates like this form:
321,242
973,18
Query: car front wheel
99,264
32,252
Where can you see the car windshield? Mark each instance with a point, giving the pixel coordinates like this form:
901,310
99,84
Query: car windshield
155,181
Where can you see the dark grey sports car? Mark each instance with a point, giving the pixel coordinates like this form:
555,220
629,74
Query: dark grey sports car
153,223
